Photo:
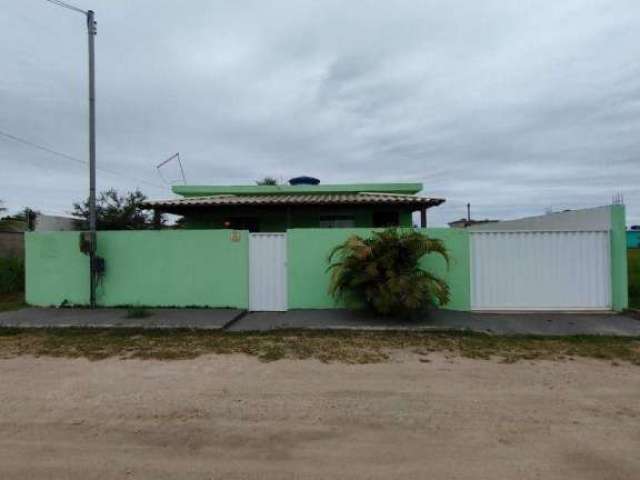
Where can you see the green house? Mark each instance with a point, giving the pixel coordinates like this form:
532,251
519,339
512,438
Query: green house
303,203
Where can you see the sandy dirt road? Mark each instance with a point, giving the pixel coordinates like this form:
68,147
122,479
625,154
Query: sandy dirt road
230,416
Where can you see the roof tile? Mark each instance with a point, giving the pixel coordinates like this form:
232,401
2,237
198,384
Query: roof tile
297,199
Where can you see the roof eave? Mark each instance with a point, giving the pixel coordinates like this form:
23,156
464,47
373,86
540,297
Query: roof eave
175,205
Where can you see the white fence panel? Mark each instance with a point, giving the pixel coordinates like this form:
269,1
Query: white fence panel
540,270
268,271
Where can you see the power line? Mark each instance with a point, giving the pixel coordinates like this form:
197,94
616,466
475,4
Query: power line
73,159
66,5
40,147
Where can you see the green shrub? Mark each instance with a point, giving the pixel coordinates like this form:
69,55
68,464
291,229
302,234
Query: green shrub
11,274
383,272
634,277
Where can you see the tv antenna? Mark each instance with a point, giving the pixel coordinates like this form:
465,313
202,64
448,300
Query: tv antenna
175,157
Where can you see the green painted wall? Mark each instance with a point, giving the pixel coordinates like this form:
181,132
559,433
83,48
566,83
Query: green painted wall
203,190
155,268
309,281
55,269
210,267
619,274
457,273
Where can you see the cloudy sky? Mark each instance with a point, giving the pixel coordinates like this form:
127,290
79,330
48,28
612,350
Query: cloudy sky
516,107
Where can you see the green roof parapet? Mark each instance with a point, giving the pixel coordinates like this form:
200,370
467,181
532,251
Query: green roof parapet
205,190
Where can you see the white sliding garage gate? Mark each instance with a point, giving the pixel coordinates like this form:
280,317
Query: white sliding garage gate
540,270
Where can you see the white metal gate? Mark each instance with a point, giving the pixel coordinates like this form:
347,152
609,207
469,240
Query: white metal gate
540,270
267,271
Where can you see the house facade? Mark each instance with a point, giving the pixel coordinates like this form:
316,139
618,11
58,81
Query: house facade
566,261
265,248
306,204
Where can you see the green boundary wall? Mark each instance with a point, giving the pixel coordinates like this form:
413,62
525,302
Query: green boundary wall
201,268
619,272
55,269
309,281
209,268
204,268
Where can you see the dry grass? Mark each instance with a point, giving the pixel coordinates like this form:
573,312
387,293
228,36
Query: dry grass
345,346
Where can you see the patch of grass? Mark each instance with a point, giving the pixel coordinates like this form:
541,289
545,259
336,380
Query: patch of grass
138,312
633,260
11,301
337,346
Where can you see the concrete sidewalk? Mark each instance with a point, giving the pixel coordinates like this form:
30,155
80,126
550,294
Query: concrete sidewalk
201,318
498,323
239,321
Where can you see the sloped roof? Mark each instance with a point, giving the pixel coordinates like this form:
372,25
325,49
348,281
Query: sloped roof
363,198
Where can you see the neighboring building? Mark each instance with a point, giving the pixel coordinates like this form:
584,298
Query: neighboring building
597,218
303,203
12,237
11,244
51,223
39,222
13,225
464,223
633,237
12,231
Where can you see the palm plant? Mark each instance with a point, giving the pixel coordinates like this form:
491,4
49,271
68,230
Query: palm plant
383,272
267,181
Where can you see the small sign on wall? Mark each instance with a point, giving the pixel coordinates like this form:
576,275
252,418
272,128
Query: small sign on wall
235,236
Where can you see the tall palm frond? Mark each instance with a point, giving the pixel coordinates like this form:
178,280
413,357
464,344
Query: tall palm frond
383,272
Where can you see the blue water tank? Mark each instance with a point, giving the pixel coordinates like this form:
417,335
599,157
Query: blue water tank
304,181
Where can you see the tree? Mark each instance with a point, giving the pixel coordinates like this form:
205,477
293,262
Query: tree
24,220
28,216
267,181
383,272
115,211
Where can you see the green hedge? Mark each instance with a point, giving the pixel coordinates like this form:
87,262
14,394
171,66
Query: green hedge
634,277
11,275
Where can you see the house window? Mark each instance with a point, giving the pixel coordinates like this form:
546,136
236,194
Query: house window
386,219
337,221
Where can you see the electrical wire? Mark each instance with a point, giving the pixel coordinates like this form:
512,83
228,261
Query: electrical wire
74,159
66,5
40,147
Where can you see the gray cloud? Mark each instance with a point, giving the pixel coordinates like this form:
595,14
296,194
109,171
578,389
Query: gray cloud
514,107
